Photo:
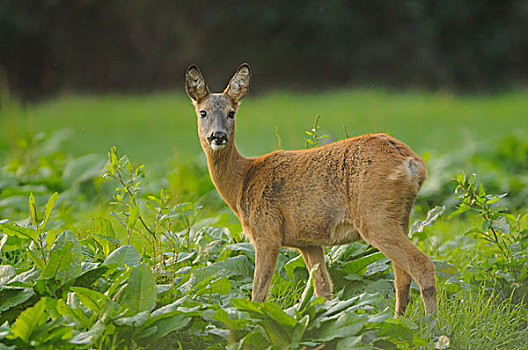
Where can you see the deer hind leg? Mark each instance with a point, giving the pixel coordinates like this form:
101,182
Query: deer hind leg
265,261
402,284
323,283
391,240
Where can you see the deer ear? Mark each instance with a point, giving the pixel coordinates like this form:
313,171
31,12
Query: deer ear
195,84
238,86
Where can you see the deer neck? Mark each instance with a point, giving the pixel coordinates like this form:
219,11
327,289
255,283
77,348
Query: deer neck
227,169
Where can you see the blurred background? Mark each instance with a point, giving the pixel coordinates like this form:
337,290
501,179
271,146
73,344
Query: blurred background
50,46
448,78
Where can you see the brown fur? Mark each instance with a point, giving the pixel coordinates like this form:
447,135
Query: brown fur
359,188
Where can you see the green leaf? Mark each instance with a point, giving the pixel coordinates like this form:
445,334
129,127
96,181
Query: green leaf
133,321
125,255
221,286
13,296
76,314
254,340
160,326
140,291
65,258
91,299
30,319
346,325
462,208
349,343
398,328
17,231
293,264
6,273
89,277
49,208
239,265
33,210
359,265
308,290
132,218
86,338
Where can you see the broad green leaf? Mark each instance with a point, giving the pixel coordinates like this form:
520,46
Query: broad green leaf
398,328
170,307
17,231
133,321
293,264
33,210
87,338
91,299
51,332
89,277
349,343
254,340
30,319
359,265
239,265
140,291
6,273
65,258
346,325
49,208
13,296
222,316
76,314
163,324
246,247
125,255
220,286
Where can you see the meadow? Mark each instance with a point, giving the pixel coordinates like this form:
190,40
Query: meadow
131,247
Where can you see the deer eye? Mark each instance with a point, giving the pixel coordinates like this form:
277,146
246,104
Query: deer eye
203,114
231,115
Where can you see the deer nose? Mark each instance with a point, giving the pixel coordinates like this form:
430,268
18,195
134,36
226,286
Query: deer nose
218,136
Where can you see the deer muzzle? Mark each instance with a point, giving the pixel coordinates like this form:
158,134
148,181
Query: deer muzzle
218,140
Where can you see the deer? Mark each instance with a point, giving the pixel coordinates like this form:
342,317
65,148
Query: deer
360,188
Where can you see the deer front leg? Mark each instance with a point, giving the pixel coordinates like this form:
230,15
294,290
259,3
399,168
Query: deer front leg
323,283
265,261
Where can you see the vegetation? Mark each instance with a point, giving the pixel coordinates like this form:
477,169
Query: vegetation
99,252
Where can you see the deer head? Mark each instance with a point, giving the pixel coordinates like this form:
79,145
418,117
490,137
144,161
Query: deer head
216,112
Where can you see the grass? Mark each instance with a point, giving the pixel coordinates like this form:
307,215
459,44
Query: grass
157,127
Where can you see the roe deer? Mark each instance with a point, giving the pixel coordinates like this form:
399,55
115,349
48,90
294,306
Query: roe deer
359,188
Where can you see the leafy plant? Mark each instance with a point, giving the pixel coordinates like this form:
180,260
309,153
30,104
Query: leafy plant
508,263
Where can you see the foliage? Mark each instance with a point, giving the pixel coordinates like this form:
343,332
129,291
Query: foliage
507,252
153,268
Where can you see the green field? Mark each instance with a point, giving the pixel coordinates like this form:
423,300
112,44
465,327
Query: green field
97,252
155,128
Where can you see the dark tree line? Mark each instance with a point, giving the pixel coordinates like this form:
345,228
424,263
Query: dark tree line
133,45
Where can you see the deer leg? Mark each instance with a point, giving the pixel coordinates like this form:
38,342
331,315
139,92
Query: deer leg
402,284
392,241
265,262
323,283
